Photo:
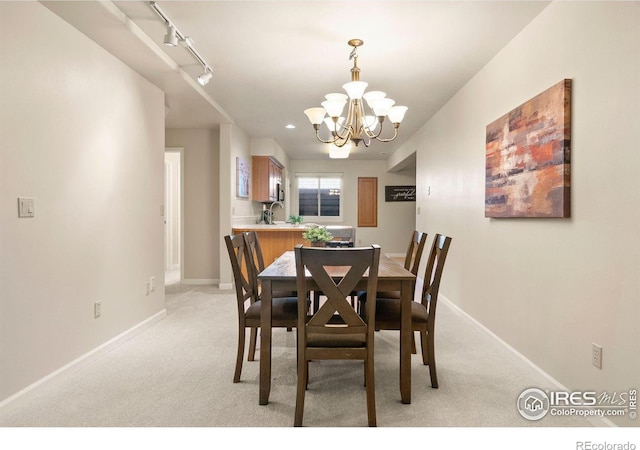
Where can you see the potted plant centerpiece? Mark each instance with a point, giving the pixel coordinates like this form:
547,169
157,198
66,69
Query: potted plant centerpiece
295,220
317,236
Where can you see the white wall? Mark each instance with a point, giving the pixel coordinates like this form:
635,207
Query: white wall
82,134
550,287
396,220
234,142
201,202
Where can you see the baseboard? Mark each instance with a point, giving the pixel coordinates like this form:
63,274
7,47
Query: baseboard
90,356
225,286
595,421
200,281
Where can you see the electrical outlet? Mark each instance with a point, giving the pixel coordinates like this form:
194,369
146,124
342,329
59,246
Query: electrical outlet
147,288
596,355
97,309
152,284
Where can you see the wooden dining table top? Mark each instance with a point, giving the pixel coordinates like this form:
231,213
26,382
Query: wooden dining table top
281,275
284,268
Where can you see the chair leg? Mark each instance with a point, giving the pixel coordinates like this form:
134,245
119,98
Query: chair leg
253,338
240,355
306,381
413,343
303,376
431,357
371,392
425,350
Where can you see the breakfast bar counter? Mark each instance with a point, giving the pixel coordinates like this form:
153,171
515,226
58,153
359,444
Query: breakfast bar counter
279,238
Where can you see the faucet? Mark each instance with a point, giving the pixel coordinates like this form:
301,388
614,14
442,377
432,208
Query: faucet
271,211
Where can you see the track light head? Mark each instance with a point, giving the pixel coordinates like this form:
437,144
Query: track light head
171,38
205,77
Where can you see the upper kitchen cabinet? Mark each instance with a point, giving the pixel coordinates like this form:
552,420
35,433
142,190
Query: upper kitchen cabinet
266,178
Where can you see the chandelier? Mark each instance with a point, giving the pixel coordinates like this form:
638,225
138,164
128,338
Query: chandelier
358,125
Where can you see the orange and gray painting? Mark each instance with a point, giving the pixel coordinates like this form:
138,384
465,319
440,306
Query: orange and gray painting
528,159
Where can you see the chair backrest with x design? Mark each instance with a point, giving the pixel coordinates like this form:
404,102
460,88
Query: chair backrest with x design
335,330
323,265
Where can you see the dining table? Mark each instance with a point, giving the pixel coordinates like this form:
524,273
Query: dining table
281,276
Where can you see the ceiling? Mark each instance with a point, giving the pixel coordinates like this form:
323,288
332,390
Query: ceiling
273,59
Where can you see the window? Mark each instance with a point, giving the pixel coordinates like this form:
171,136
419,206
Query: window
319,196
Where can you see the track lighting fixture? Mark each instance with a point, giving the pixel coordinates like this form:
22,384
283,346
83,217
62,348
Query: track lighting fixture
171,38
174,36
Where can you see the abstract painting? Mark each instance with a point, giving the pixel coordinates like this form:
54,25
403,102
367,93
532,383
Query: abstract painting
528,158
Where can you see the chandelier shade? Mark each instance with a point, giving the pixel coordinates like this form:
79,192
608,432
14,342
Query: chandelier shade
358,125
315,115
339,152
396,114
355,89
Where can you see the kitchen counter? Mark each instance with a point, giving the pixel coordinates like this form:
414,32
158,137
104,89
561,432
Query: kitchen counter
285,227
279,238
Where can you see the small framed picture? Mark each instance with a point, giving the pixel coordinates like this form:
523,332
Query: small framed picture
243,176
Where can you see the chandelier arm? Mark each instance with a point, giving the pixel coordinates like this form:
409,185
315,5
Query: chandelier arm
351,115
368,131
395,134
343,128
371,134
358,119
341,143
322,140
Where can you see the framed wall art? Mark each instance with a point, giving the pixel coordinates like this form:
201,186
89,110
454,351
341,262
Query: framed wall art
399,193
243,176
528,158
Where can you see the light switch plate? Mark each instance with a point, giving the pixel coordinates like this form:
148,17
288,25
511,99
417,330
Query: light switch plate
25,207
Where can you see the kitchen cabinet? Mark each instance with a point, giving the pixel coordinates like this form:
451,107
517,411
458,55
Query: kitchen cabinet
266,178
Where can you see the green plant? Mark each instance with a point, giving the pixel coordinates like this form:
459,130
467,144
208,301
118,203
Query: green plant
295,219
317,234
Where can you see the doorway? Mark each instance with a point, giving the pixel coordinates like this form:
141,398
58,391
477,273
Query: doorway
173,217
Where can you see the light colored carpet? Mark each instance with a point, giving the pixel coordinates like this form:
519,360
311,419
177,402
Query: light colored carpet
178,373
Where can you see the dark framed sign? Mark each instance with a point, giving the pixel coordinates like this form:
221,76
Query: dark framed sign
399,193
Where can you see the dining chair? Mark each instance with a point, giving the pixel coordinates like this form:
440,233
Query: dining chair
255,250
335,330
423,313
284,309
412,260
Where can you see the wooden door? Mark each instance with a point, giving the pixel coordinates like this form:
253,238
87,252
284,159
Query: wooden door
367,201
